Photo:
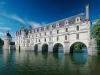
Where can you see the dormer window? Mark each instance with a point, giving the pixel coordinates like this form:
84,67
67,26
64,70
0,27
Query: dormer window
77,19
57,25
66,22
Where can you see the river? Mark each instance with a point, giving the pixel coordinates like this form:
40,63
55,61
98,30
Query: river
31,63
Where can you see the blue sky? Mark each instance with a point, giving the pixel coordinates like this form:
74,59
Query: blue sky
17,13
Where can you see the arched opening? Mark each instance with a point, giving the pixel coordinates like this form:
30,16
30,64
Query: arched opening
78,47
45,48
58,48
36,47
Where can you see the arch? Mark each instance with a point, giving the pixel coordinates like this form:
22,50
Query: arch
78,47
36,47
58,48
45,48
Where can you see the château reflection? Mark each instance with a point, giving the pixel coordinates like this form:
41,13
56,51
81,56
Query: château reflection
48,63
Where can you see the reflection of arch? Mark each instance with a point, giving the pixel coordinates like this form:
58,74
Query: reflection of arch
58,48
36,47
45,48
78,47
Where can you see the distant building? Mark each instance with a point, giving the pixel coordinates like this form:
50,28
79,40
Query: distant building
8,42
62,33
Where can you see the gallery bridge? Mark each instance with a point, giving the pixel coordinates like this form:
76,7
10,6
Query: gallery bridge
59,36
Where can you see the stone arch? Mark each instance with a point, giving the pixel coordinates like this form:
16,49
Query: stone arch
81,46
58,48
45,47
36,47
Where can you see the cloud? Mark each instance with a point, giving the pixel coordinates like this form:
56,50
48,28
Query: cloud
13,17
34,24
5,28
22,21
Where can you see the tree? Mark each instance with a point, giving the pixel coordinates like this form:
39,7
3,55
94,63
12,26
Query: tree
96,34
1,42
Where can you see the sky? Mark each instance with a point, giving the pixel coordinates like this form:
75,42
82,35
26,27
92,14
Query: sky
17,13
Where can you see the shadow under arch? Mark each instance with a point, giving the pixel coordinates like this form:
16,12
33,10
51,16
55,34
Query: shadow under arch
58,48
78,47
45,48
36,48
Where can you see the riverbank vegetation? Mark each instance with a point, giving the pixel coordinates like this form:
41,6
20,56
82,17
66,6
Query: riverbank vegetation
96,34
1,43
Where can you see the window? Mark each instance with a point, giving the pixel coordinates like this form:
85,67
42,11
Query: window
65,37
77,28
50,32
36,40
40,34
45,40
66,22
77,19
36,35
77,36
45,33
57,38
66,29
50,39
57,31
39,40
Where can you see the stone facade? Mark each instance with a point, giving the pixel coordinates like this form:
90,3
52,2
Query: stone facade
65,32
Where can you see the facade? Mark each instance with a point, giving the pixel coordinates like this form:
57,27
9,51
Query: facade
62,33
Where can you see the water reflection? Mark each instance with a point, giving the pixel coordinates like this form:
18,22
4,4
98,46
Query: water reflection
32,63
79,58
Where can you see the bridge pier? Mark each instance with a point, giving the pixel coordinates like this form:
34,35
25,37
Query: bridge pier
66,48
50,47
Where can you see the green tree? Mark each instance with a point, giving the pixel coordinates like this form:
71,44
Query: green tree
1,42
96,34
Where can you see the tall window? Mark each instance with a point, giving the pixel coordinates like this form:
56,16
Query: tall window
77,28
45,40
77,36
50,32
49,38
39,40
36,35
40,34
57,38
66,29
45,33
57,31
65,37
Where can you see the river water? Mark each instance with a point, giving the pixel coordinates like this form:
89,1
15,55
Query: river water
30,63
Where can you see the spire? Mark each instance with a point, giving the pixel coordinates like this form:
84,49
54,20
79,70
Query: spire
87,11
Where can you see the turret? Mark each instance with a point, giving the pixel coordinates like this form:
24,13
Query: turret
7,41
87,12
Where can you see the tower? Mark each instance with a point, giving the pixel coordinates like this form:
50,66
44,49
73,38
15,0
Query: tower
7,41
87,11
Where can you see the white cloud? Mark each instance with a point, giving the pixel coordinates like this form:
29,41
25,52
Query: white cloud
13,17
34,24
5,28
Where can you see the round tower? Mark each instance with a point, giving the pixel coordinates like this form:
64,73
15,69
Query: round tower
7,41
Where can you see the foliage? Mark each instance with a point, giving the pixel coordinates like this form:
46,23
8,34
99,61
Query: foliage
96,34
77,47
1,42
